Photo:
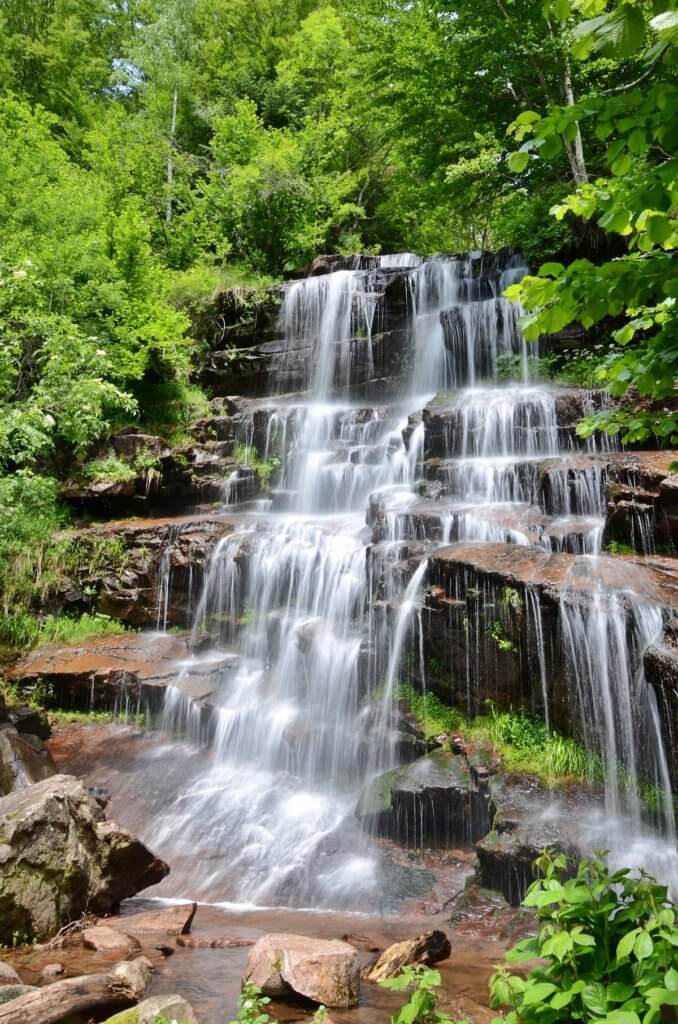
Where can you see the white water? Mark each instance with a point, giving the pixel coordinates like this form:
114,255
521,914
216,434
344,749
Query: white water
305,708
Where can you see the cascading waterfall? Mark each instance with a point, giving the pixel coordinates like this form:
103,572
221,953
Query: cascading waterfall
295,601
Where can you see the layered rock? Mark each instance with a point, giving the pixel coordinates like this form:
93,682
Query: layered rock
59,857
432,802
127,672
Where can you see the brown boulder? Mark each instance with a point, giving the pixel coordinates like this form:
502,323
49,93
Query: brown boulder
60,857
425,950
324,971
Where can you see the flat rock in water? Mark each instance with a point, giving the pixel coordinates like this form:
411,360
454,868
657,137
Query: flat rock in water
324,971
109,940
168,921
426,949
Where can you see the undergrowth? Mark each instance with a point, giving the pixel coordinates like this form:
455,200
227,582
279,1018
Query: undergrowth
523,742
247,455
22,629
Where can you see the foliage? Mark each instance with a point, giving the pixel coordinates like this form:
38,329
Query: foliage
248,456
633,198
251,1006
606,944
433,715
20,630
421,1007
523,742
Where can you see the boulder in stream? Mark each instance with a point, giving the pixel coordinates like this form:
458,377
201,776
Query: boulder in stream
323,971
60,857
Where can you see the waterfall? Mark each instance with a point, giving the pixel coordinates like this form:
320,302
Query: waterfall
310,613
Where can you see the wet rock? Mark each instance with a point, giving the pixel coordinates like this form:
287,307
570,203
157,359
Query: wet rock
60,857
525,825
111,671
30,721
426,949
23,760
483,600
8,976
109,940
166,1007
323,971
168,921
432,802
660,662
642,495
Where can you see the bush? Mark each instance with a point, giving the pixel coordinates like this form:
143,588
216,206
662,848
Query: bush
420,1008
609,943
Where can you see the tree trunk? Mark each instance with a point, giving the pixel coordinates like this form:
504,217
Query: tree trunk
575,148
170,157
92,994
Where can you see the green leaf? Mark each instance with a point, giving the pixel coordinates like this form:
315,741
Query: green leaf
594,998
643,946
618,992
666,26
536,992
518,161
551,269
621,165
671,979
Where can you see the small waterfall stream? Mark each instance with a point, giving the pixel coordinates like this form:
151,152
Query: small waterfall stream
308,668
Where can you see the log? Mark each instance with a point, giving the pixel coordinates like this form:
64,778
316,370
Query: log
426,949
96,994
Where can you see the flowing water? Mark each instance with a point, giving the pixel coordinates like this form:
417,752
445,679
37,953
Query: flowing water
295,596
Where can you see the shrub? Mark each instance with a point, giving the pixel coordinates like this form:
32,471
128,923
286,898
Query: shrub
421,1007
609,946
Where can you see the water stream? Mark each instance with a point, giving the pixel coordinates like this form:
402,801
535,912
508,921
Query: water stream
264,814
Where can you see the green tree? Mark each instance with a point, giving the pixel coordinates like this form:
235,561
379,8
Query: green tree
634,197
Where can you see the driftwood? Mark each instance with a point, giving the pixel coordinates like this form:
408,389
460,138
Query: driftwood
96,994
426,949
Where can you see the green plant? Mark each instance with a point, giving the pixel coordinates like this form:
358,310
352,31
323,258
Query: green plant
609,946
421,1007
251,1006
246,455
108,468
434,717
498,633
617,547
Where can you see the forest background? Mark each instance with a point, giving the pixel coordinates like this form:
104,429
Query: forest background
156,153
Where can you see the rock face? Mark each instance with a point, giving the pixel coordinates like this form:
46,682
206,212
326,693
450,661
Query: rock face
427,949
525,823
108,671
434,801
323,971
23,760
484,599
60,857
